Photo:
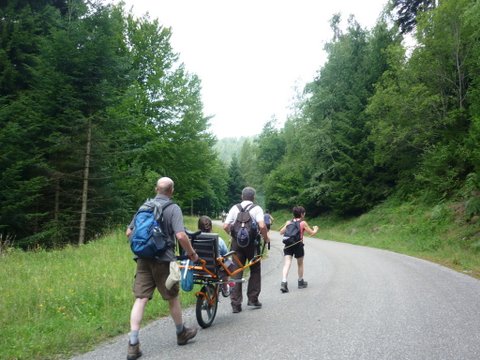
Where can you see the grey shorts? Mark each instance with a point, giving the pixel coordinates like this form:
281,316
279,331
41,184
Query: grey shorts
152,274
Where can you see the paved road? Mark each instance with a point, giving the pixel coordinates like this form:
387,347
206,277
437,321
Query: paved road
361,303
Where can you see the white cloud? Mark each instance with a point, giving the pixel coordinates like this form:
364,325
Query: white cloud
250,54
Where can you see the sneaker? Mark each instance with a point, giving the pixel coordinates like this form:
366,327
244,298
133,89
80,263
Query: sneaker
236,309
255,304
225,289
284,287
302,284
133,352
185,335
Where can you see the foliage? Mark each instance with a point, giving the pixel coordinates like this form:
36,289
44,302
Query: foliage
345,178
236,182
471,192
248,163
377,123
419,113
226,147
82,296
408,11
437,233
270,148
94,107
283,186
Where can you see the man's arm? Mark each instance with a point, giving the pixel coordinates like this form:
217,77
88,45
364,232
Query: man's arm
284,227
263,231
227,224
226,227
130,227
309,230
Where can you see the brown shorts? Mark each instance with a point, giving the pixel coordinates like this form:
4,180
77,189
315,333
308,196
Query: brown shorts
152,274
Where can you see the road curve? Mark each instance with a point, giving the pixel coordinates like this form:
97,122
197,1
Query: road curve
361,303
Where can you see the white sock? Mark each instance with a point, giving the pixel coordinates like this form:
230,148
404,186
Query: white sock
133,336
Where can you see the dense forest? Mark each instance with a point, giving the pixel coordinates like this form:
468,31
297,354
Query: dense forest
94,106
378,121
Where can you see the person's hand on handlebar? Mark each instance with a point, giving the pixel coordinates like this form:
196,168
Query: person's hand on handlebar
267,241
193,256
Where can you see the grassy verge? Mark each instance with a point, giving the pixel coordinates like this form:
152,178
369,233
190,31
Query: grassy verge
441,233
56,303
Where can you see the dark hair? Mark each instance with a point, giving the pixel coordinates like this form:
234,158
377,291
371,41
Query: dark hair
205,224
298,211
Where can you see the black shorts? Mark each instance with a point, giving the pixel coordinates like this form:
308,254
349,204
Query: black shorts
295,250
268,226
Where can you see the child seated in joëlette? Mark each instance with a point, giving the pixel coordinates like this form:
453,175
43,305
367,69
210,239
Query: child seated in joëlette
205,225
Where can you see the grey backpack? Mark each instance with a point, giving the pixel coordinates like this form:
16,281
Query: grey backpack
244,229
292,233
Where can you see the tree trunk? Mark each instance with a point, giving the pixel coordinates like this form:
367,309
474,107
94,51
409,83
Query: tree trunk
86,171
459,66
57,199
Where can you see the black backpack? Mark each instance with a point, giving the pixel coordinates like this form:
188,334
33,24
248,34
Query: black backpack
149,238
244,229
292,233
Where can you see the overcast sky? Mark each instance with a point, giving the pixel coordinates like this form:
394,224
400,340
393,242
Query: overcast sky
250,55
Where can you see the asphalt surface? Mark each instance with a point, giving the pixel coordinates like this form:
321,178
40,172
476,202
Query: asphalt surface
361,303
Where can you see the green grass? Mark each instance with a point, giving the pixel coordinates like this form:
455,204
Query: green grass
56,303
440,233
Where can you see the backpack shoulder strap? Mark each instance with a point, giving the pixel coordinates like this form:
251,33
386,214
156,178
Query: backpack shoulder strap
160,209
247,208
295,223
167,204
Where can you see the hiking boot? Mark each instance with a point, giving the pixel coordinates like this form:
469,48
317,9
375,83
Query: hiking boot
185,335
255,304
236,309
133,352
302,284
284,287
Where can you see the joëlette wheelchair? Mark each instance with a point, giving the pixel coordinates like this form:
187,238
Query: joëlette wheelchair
207,272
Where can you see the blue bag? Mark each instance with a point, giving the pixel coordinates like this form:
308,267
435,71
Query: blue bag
186,279
149,239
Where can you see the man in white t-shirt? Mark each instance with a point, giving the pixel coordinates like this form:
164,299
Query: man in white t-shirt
248,252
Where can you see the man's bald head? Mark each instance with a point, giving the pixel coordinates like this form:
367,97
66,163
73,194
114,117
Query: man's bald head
164,186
